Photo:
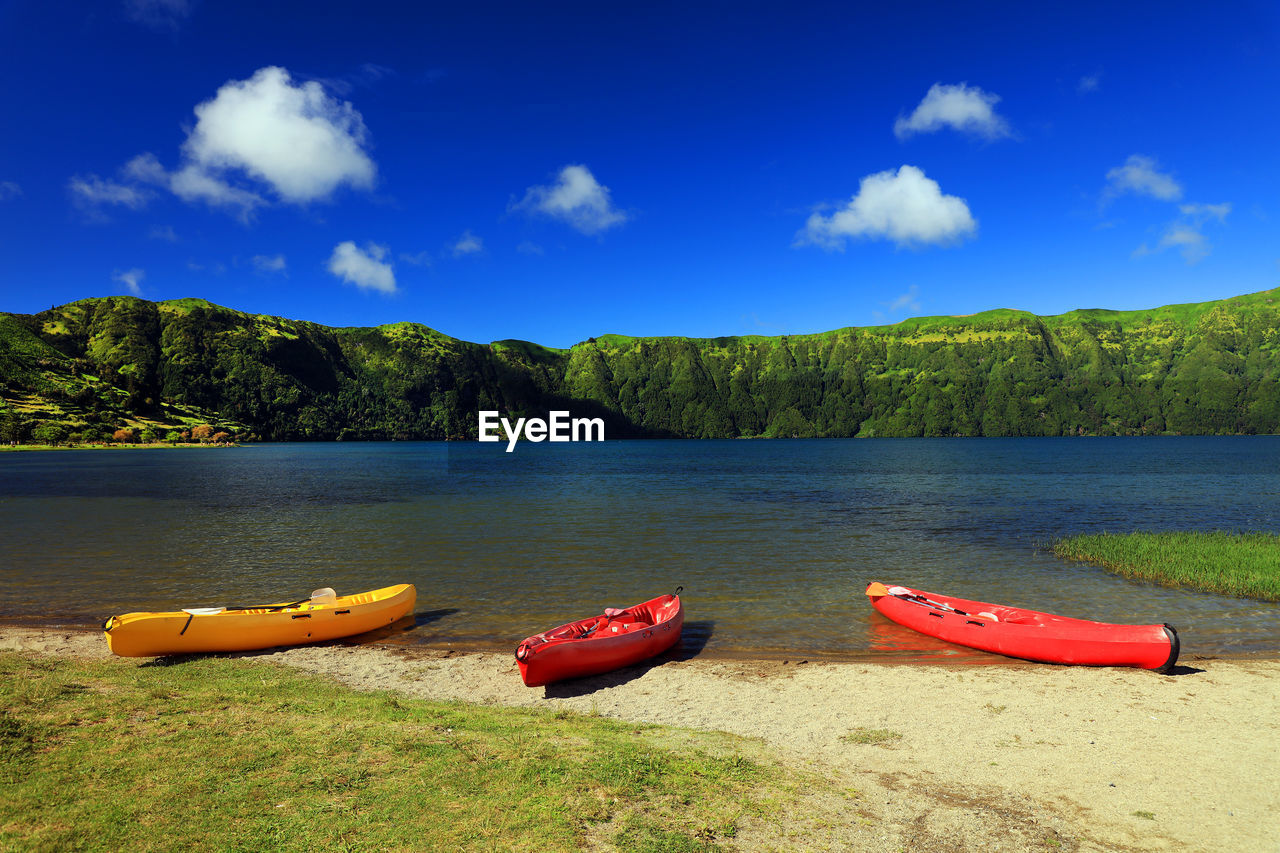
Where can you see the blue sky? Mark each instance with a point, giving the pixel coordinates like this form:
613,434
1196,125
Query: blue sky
556,171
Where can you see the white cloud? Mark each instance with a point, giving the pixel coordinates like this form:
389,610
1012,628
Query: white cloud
363,268
906,301
1141,175
578,199
216,268
962,107
8,190
421,259
163,232
368,74
1186,234
145,168
270,263
131,279
1205,212
1089,83
159,14
265,132
906,207
91,192
191,183
528,247
468,244
293,137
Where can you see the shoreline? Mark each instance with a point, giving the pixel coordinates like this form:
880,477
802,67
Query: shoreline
1003,757
395,639
154,445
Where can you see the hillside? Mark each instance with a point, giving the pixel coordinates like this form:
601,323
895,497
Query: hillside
89,367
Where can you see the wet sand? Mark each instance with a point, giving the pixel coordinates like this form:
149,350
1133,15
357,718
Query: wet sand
1019,757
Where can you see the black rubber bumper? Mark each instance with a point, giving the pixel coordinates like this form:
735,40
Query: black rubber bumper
1174,648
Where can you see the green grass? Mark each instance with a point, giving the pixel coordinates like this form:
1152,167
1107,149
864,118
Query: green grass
870,736
219,754
1245,565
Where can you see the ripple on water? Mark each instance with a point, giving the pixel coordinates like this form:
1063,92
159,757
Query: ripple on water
773,541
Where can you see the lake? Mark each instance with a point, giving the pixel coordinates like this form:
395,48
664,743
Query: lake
773,541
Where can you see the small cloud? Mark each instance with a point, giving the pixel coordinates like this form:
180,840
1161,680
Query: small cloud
905,207
163,232
421,259
363,267
1186,234
909,301
961,107
8,190
1141,175
215,268
367,75
146,168
528,247
1089,83
131,279
270,264
194,184
577,198
90,193
753,320
468,244
159,14
1205,212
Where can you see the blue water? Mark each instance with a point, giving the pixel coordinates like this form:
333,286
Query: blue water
773,541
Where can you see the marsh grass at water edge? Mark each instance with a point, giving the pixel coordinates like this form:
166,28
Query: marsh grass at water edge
1245,565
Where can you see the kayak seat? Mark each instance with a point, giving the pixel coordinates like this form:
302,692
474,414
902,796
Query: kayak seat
641,614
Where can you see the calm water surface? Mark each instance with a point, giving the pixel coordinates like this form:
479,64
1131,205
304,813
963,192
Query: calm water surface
772,540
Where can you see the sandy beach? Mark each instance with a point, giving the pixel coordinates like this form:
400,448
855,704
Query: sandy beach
1017,757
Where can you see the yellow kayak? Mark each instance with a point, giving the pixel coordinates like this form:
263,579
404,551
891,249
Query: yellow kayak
322,616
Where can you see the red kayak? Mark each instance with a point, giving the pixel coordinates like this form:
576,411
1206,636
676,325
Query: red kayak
1027,634
615,639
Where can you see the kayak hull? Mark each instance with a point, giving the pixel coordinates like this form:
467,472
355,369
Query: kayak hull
601,643
263,627
1027,634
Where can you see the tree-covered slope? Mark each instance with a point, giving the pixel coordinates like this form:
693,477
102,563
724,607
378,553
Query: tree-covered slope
1208,368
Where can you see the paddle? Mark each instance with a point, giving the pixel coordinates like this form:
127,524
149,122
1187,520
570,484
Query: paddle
879,590
272,609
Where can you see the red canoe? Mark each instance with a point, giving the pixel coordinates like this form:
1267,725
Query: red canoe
615,639
1027,634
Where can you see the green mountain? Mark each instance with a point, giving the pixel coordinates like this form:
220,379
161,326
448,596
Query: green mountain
90,367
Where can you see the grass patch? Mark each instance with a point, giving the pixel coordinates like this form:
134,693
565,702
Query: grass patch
872,736
1246,565
1145,815
229,755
